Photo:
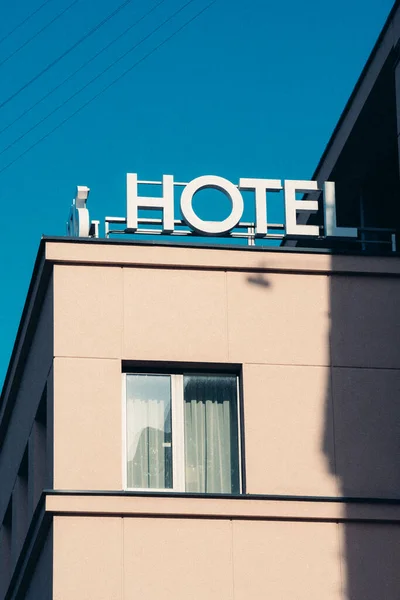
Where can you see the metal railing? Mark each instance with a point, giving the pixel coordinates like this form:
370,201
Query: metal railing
248,234
244,230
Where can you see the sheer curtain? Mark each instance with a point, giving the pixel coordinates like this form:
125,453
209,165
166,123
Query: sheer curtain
211,434
149,432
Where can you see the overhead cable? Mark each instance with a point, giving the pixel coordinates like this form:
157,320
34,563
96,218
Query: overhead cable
83,65
64,54
110,66
32,14
35,35
83,106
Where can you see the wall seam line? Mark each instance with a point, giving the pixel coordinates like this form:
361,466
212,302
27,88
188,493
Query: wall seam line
227,315
233,561
331,397
122,558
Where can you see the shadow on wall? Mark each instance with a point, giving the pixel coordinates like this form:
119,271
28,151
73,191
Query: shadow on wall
362,415
362,412
259,278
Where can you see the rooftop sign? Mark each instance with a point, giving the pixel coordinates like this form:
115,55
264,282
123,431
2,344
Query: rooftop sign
263,190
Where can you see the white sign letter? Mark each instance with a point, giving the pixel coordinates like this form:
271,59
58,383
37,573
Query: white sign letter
292,206
217,183
261,187
331,229
166,203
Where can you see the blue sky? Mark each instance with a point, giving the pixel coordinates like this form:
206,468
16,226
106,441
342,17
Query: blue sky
249,89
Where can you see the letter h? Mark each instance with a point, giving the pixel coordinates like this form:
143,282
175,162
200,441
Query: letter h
165,203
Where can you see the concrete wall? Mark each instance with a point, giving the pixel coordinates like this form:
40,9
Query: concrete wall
317,343
124,559
278,330
299,369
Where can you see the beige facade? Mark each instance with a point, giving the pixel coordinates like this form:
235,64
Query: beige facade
313,339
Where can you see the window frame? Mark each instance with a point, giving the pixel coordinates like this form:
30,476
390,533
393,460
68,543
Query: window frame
178,428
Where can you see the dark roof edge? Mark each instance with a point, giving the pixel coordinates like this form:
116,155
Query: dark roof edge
357,86
174,243
36,269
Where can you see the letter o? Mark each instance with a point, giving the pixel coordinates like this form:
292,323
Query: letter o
211,227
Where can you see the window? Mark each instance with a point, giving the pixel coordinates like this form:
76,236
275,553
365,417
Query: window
182,433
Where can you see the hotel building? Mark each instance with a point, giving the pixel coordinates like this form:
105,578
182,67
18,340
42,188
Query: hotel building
182,420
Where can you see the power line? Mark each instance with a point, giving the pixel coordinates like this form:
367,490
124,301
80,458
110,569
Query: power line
64,54
138,62
5,37
35,35
82,66
131,49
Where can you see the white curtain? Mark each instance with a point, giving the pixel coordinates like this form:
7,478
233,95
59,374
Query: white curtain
211,443
149,432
